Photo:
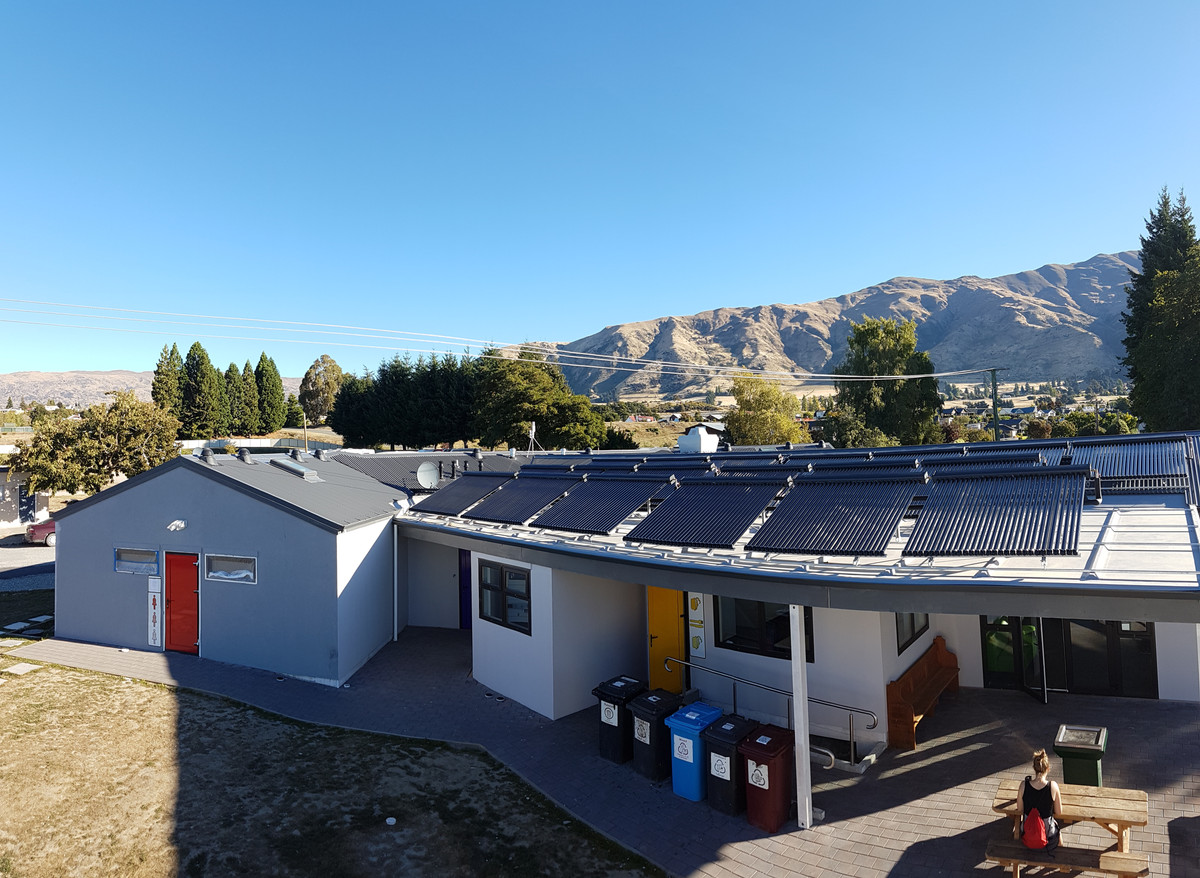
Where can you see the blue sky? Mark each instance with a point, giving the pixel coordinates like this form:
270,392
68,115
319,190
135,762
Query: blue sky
520,171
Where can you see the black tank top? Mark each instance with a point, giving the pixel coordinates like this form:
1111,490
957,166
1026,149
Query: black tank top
1042,799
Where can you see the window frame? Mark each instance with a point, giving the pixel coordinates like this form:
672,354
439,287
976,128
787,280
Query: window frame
140,571
915,632
208,577
503,594
763,647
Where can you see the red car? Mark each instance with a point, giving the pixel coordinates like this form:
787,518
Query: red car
42,532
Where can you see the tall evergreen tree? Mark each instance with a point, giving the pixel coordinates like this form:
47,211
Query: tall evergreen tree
204,409
293,412
356,412
272,407
233,395
167,387
248,416
1170,237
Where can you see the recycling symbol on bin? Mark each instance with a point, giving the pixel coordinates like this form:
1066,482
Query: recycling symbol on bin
683,749
610,713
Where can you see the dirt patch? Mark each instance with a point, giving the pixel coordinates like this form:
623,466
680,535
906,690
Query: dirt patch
109,776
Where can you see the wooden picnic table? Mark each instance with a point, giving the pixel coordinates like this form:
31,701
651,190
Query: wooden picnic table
1115,809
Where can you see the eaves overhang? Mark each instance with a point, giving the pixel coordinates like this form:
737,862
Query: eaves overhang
977,590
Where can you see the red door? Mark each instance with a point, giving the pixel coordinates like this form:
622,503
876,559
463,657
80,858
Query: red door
183,603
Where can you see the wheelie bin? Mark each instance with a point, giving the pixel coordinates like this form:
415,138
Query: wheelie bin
651,739
726,780
689,762
616,723
770,776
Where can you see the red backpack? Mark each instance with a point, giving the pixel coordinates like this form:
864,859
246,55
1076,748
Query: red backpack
1033,831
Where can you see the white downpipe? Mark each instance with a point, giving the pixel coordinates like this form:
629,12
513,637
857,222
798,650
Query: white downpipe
395,585
804,808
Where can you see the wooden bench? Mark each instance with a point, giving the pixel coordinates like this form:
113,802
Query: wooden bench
1011,853
915,694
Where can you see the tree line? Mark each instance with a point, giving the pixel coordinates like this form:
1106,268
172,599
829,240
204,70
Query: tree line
520,402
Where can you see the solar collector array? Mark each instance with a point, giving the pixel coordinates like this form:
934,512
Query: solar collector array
600,504
837,517
1001,513
707,514
463,493
520,500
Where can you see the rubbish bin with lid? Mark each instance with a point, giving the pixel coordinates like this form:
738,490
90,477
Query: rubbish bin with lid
726,767
651,740
769,776
1080,748
689,762
616,723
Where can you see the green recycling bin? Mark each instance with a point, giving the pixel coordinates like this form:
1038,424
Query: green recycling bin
1080,748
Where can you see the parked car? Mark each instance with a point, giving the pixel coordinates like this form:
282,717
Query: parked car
41,532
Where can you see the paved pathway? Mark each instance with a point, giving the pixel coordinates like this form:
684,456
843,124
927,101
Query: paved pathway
924,813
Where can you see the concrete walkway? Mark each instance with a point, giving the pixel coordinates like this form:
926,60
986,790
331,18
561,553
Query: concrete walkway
924,813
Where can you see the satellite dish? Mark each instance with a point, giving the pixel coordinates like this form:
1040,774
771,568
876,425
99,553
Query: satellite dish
427,475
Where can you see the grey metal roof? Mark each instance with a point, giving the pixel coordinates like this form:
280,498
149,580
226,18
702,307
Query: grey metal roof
1002,512
837,517
713,513
463,493
519,500
601,503
399,468
337,499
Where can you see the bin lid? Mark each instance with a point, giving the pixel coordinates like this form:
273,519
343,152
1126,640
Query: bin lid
729,729
1081,740
767,743
655,704
694,717
619,689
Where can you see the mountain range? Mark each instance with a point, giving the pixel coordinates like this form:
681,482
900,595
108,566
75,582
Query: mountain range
1055,322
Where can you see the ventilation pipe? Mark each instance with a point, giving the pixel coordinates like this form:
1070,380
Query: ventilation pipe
206,455
245,456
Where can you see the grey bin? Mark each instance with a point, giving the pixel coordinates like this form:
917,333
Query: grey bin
1080,748
651,738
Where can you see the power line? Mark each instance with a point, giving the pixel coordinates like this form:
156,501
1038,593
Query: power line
563,357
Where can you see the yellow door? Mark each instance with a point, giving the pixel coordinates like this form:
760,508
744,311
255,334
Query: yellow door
665,623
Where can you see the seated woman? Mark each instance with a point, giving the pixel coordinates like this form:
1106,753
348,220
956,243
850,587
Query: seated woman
1042,793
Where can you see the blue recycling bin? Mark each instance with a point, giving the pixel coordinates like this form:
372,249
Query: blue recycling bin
689,754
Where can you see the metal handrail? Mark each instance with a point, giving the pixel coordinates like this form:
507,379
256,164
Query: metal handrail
812,747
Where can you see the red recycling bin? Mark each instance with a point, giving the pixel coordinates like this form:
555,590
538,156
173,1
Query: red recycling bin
770,776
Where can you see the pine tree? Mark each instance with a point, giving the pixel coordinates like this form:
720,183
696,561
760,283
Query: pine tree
319,388
1170,237
234,394
167,387
203,393
294,416
248,417
272,407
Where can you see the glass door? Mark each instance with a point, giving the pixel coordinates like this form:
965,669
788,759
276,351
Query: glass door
1033,659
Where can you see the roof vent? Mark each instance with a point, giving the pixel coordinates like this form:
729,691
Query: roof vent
294,454
321,454
206,455
245,456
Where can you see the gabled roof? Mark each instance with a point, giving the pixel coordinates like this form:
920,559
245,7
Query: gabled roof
321,491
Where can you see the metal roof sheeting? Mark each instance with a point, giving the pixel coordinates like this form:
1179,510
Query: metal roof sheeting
461,494
600,504
711,514
1001,512
521,499
837,517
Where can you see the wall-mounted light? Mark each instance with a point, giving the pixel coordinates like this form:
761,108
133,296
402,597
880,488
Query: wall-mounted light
177,524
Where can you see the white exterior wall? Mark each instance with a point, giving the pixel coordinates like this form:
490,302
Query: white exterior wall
962,639
520,666
1178,647
599,633
432,585
364,594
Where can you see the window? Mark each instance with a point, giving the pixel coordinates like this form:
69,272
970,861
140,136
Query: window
504,595
759,627
231,568
135,561
909,626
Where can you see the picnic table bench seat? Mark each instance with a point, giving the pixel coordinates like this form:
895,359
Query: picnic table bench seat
1013,854
914,694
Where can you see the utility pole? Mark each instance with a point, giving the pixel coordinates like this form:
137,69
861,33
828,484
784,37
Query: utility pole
995,409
